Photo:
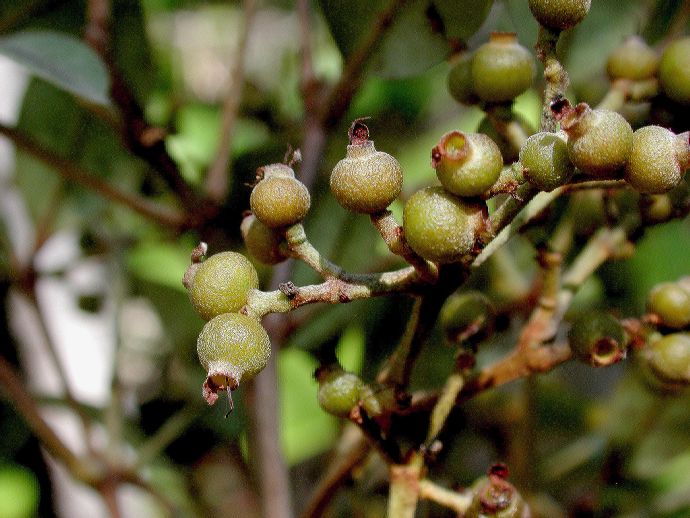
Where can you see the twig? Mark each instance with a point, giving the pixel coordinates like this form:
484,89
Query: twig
555,75
457,501
217,177
404,488
70,171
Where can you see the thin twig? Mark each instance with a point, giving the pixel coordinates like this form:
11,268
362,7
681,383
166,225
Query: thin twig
72,172
555,75
217,177
457,501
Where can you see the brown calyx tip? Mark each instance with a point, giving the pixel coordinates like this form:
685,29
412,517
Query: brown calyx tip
453,146
503,37
358,132
215,383
560,107
199,252
499,470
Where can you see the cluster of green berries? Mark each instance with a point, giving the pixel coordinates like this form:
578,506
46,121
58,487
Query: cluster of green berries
232,347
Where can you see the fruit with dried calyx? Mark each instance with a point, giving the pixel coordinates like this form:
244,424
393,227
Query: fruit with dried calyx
598,339
366,180
263,243
466,164
494,497
220,284
232,348
278,199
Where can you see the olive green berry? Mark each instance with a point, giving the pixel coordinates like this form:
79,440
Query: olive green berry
231,347
668,359
460,84
502,69
441,227
221,283
671,303
545,161
559,14
366,181
597,338
467,164
339,391
632,59
279,199
263,243
658,160
467,316
494,497
674,71
599,141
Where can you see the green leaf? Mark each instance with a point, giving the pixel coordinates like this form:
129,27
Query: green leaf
62,60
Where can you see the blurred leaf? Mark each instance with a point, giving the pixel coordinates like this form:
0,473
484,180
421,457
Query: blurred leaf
19,492
160,263
462,18
350,349
62,60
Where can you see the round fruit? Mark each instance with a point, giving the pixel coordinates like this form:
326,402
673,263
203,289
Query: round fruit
599,141
597,339
231,347
460,85
657,160
338,391
439,226
655,208
559,14
279,199
544,157
671,303
502,68
674,71
366,180
632,59
467,164
221,283
262,242
466,316
668,359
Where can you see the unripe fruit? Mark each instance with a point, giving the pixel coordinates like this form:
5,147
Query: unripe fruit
655,208
279,199
668,359
439,226
674,71
671,303
262,242
220,284
632,59
598,339
559,14
495,497
460,84
366,180
467,164
502,68
467,316
658,160
599,141
339,391
232,348
544,157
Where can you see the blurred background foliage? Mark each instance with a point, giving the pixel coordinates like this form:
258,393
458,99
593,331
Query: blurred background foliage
583,442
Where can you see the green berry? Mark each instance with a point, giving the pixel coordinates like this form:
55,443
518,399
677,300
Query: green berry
366,180
263,243
544,157
460,85
467,164
339,391
674,71
671,303
599,141
279,199
221,283
232,348
439,226
467,316
559,14
502,68
632,59
668,359
655,208
494,497
597,338
658,160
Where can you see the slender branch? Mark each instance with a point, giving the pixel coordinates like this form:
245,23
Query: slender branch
404,488
555,75
217,177
623,90
454,500
444,405
71,172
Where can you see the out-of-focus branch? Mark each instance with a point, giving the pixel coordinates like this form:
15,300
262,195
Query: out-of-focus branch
217,177
555,76
71,172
